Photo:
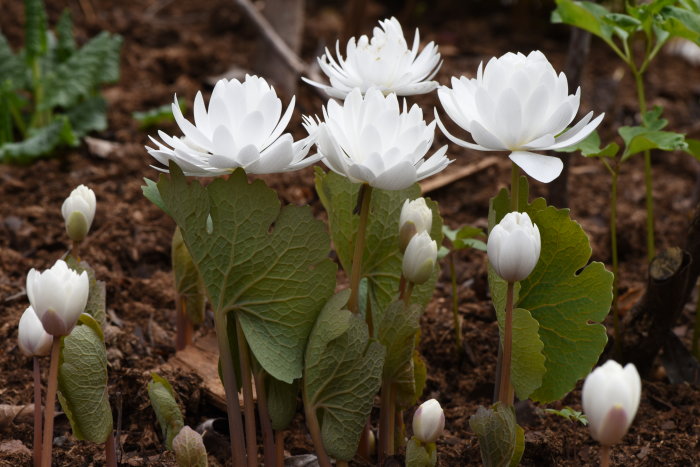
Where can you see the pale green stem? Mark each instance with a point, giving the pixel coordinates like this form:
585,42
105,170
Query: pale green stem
315,431
248,401
514,186
648,184
505,395
233,408
364,197
613,251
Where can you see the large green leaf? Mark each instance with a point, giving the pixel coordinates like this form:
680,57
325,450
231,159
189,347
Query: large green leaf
567,296
585,15
12,68
342,374
65,43
78,77
162,397
88,115
267,265
381,262
82,381
681,22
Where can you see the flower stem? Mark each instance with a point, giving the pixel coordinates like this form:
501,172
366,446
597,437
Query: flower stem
456,321
696,328
615,264
233,408
604,456
279,448
265,423
110,451
363,201
514,186
387,420
505,395
248,402
37,413
641,97
315,431
51,386
183,324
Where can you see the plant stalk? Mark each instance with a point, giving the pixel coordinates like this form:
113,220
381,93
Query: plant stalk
505,395
183,324
269,451
248,402
37,412
648,183
514,187
604,456
110,451
364,197
279,448
456,320
233,408
315,431
387,420
696,328
51,387
615,263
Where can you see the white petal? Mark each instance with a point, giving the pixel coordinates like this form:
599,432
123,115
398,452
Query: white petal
542,168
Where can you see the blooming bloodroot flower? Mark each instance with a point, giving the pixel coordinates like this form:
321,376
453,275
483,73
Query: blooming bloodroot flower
33,340
610,401
428,421
383,62
241,128
78,212
58,296
517,104
370,140
514,246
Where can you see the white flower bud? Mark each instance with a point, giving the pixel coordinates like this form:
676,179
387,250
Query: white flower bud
59,296
514,246
33,340
78,212
419,258
428,421
610,399
416,217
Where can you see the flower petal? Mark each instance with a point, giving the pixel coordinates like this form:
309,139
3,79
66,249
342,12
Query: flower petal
540,167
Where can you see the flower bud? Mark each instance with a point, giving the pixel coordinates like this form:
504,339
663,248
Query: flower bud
416,217
514,246
33,340
428,421
59,296
610,401
78,212
419,258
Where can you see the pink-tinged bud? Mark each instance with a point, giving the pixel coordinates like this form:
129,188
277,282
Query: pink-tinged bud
610,401
428,421
33,340
59,296
416,217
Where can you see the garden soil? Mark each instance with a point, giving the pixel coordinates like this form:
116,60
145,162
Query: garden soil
180,47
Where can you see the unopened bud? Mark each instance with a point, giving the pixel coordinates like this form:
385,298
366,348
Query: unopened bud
416,217
428,421
78,212
514,246
419,258
33,340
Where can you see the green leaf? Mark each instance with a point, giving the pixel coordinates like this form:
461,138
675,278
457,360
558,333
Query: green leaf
165,406
570,414
681,22
497,432
82,381
12,68
418,456
158,115
519,446
40,143
88,116
65,43
267,265
396,330
649,135
35,30
188,283
79,76
343,368
97,297
590,147
693,147
281,401
189,448
381,262
567,296
150,191
585,15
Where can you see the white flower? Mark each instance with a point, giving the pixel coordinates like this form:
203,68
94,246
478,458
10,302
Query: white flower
419,258
416,217
610,401
33,340
241,128
58,296
370,140
514,246
517,104
428,421
78,212
383,62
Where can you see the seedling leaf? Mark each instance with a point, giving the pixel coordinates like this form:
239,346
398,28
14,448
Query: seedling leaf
165,406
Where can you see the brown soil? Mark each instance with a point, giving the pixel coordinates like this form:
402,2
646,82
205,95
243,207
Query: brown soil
173,47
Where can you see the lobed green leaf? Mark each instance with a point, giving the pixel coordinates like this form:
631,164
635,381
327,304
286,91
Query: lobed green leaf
162,397
498,435
40,143
35,30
